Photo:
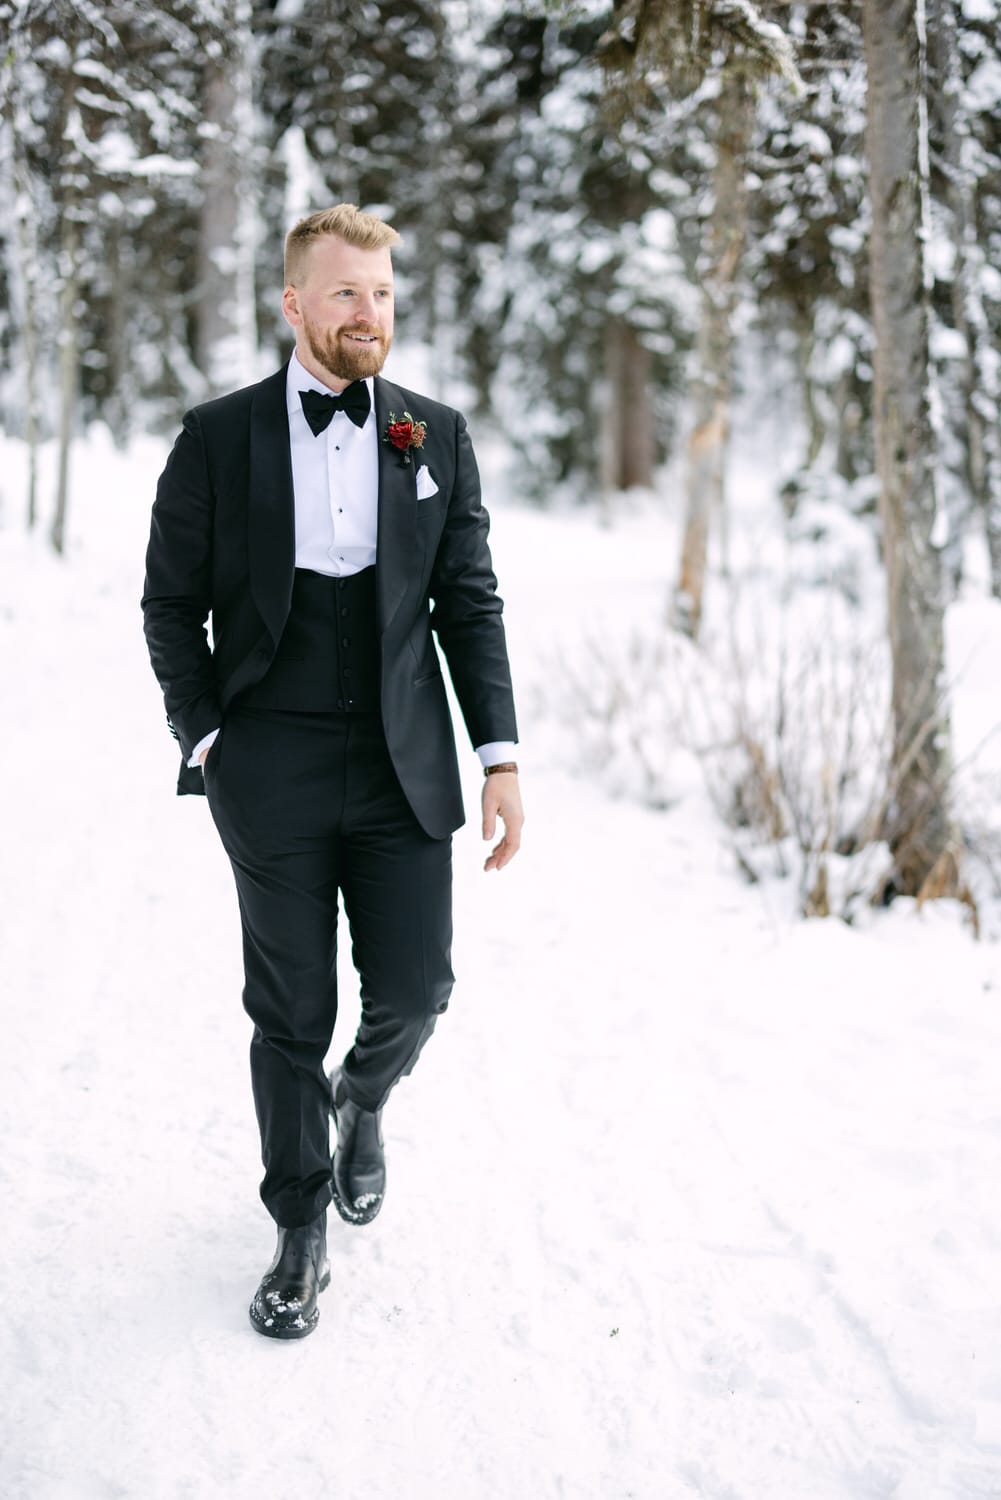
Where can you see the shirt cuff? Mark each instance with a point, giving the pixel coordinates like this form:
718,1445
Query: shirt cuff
203,744
496,752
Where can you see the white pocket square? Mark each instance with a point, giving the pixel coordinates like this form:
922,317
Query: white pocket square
426,486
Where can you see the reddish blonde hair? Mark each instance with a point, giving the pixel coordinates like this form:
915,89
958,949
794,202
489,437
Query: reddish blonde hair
347,223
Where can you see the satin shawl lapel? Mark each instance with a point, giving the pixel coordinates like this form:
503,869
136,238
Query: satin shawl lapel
270,513
397,534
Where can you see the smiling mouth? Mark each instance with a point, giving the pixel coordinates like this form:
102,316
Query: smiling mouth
362,338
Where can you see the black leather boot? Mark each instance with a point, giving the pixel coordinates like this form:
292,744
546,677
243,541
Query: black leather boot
358,1175
284,1305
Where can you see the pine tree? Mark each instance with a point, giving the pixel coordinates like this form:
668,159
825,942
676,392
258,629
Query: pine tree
808,224
965,161
22,244
96,124
366,93
573,300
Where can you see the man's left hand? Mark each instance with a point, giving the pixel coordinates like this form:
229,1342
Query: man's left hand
502,797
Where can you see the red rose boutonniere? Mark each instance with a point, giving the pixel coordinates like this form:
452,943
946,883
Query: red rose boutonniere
404,433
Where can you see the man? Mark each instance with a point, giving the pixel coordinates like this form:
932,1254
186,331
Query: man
327,521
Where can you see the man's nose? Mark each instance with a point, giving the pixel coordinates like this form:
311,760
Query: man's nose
367,310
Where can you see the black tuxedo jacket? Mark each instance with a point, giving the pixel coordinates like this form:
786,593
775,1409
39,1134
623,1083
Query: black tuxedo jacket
222,544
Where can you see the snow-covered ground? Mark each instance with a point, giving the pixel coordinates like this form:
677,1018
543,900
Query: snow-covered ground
686,1198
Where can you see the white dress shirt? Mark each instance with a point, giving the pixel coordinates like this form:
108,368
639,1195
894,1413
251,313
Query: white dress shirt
335,481
335,484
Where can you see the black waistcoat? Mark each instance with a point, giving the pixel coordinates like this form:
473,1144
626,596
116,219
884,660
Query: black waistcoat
328,657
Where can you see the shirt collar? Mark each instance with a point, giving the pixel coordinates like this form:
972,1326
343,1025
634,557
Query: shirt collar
299,379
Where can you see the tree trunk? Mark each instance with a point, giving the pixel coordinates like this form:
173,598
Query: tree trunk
117,406
69,367
714,355
848,406
917,824
627,424
226,337
71,178
26,267
816,431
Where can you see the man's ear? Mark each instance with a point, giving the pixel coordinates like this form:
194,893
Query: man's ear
290,307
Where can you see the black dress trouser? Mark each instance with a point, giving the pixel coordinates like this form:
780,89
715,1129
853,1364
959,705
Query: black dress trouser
308,805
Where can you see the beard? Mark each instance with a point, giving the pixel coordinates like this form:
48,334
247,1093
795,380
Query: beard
343,358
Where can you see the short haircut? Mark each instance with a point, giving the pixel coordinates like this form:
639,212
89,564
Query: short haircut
344,221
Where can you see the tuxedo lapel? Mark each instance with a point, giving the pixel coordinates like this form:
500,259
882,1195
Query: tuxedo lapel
397,523
271,518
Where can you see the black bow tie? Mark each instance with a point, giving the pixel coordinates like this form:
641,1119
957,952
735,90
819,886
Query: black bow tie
318,409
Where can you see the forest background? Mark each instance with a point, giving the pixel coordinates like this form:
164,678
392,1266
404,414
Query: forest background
623,226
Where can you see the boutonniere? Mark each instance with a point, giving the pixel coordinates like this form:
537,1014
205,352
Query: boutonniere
404,433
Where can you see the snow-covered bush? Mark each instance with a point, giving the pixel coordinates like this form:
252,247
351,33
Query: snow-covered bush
798,766
784,720
628,704
787,717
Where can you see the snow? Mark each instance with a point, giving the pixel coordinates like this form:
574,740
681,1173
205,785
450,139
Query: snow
980,10
300,175
983,87
686,1198
814,137
116,153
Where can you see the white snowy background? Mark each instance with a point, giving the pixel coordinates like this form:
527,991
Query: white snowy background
688,1197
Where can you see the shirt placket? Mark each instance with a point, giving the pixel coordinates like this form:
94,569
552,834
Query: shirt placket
335,476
